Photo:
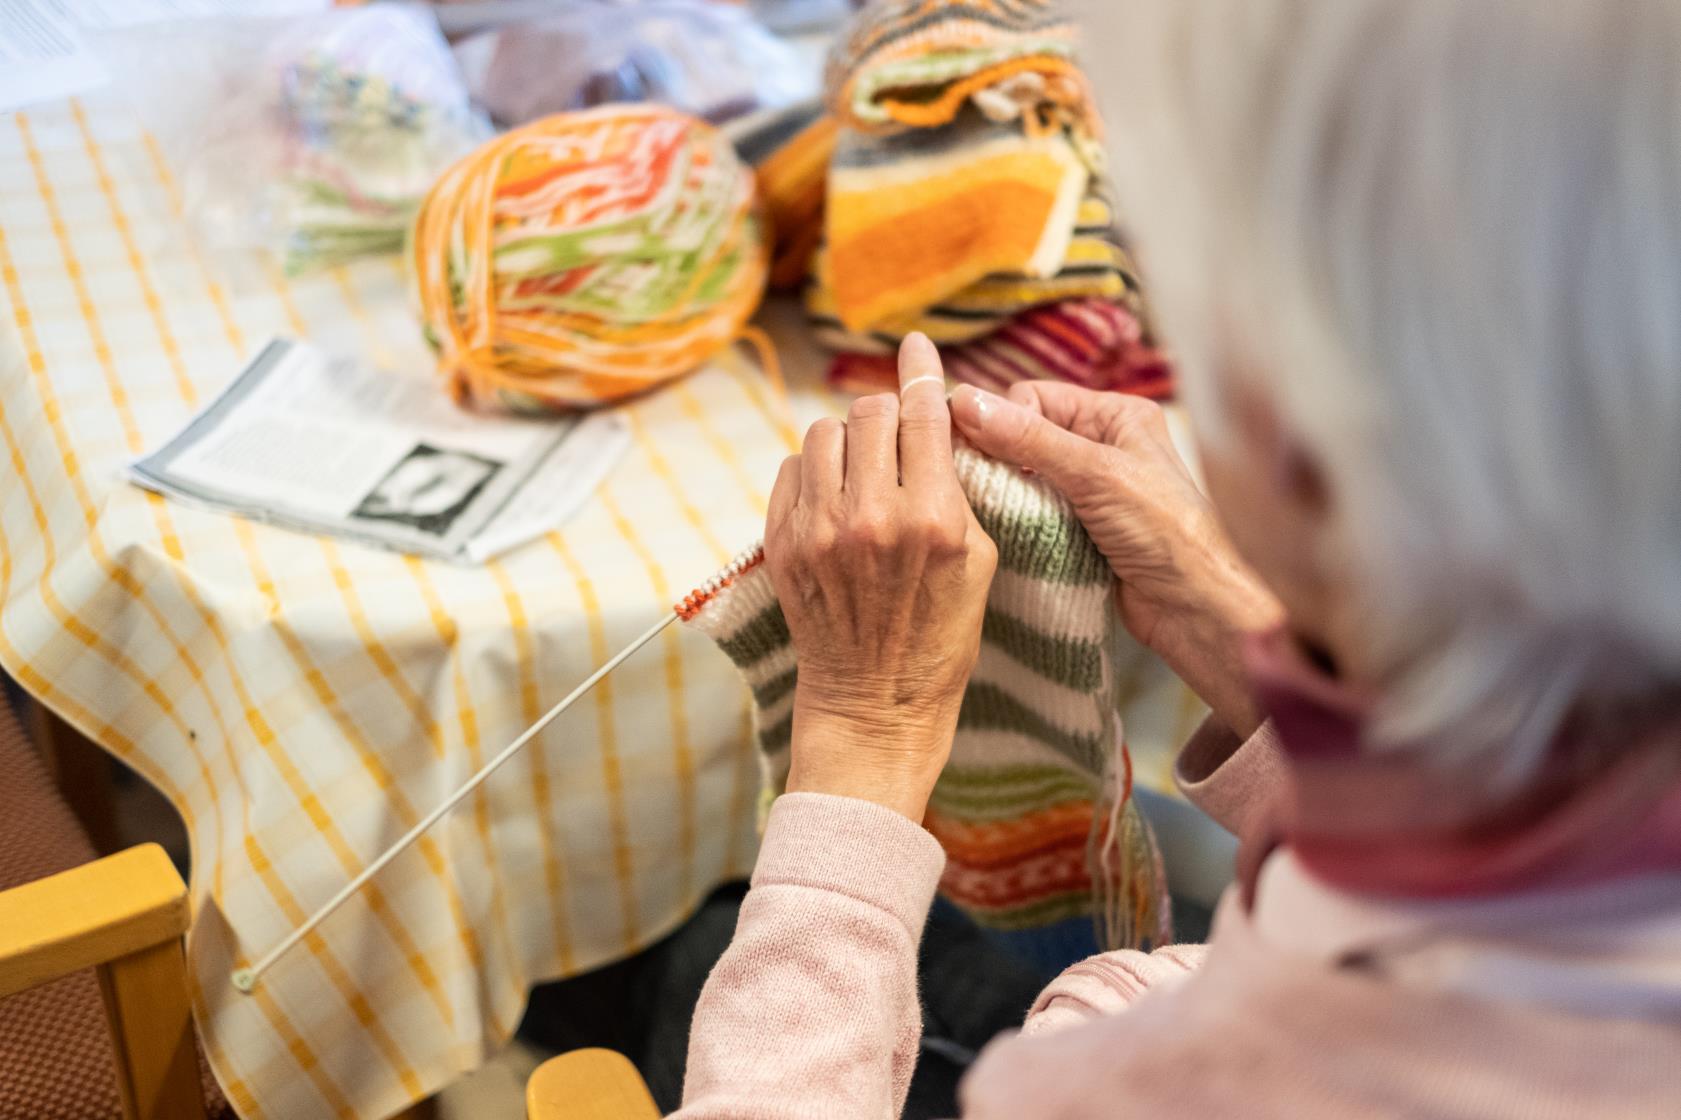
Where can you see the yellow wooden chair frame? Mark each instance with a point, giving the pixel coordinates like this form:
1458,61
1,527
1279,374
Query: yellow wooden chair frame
125,915
588,1085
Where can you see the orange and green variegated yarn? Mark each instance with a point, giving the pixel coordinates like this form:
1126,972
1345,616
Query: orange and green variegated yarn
1034,809
587,256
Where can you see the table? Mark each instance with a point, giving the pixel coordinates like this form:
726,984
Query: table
301,702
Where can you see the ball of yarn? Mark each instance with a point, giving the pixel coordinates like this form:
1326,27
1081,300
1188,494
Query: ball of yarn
586,257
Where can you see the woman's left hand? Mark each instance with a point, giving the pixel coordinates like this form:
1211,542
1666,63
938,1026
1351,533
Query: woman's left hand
882,573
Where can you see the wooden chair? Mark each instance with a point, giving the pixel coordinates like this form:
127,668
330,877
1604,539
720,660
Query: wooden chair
123,916
77,1044
588,1085
95,1017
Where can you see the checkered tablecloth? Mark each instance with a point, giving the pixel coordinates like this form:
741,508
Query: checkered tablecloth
302,702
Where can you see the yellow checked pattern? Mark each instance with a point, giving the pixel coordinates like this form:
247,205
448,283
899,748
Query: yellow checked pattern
302,702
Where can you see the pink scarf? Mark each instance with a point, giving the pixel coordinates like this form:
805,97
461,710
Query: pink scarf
1387,823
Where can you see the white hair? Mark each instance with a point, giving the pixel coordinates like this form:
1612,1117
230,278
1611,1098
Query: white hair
1447,235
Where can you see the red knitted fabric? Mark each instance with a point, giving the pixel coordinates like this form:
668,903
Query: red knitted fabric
55,1049
1088,342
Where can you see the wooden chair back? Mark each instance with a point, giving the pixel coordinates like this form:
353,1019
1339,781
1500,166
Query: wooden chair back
588,1085
124,916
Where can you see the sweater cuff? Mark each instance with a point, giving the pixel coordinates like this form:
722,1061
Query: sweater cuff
852,847
1228,778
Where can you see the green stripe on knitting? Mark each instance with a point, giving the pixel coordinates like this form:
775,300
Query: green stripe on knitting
1048,546
759,636
1011,802
1024,787
978,779
1065,787
1075,663
986,707
776,688
979,813
1057,908
778,734
1072,662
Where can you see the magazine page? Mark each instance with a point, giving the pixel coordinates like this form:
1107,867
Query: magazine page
321,443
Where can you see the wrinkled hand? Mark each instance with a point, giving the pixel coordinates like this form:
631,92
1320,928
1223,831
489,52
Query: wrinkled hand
882,573
1183,591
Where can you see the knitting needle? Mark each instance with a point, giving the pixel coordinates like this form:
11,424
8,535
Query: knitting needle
245,979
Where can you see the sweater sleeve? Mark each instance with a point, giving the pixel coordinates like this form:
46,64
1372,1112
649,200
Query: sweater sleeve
812,1011
1229,778
1107,984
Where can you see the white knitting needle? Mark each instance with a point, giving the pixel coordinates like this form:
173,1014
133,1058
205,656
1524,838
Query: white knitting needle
245,979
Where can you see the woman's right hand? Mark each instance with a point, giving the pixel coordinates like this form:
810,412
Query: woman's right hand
882,572
1183,590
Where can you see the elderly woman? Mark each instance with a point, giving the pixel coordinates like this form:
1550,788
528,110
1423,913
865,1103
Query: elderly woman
1422,262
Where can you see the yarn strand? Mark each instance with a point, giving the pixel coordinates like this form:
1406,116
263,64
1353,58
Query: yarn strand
788,426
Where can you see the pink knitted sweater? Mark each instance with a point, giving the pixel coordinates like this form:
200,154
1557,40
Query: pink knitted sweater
1312,1001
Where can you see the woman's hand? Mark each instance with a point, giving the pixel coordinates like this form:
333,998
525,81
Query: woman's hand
1183,590
882,572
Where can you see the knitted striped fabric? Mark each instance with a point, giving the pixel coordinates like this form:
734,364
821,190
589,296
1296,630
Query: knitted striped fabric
916,63
1088,342
1034,809
915,218
789,152
1095,266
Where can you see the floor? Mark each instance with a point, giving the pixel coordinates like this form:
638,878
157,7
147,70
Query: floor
494,1092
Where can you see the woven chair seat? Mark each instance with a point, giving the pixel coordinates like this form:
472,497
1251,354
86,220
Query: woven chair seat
56,1061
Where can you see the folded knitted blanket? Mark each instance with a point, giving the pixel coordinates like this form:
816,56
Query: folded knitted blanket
789,152
916,63
1095,266
1034,809
1088,342
919,216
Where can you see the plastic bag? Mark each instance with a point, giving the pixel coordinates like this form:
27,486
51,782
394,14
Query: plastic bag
313,136
711,60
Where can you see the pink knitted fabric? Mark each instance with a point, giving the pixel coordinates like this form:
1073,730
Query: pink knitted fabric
1088,342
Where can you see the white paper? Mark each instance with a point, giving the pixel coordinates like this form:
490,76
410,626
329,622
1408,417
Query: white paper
128,13
560,486
321,443
44,55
